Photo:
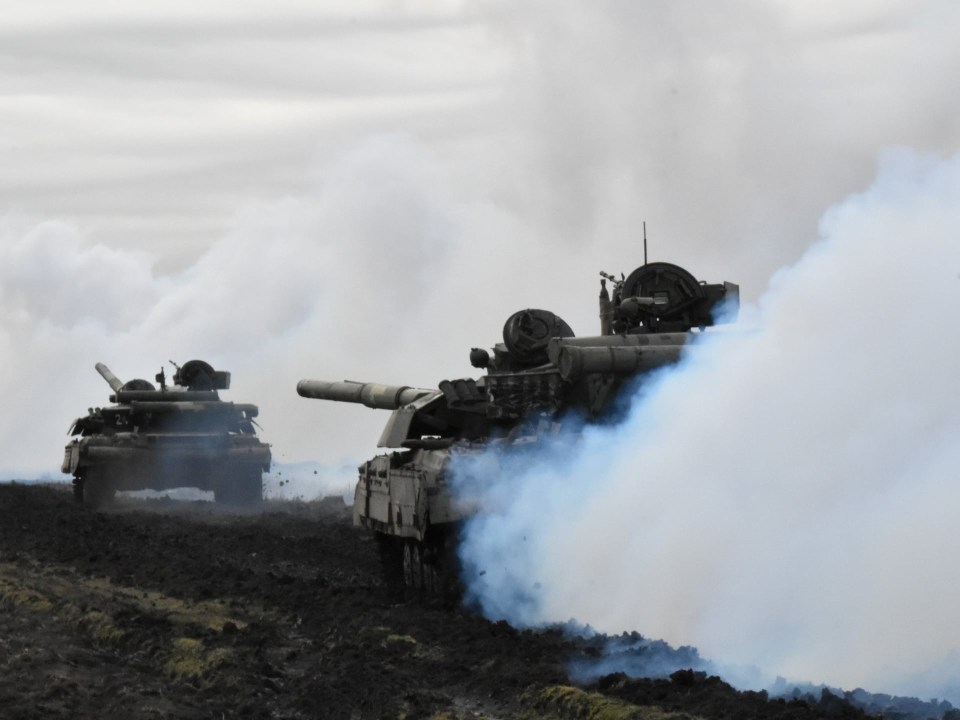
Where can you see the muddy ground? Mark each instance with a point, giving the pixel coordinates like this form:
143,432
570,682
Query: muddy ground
166,609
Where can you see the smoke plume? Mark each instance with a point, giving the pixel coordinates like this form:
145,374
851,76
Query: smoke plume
367,190
276,297
786,497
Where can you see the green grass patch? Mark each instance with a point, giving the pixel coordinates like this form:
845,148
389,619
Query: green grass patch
189,658
563,702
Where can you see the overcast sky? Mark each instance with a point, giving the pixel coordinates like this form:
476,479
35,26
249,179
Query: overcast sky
366,190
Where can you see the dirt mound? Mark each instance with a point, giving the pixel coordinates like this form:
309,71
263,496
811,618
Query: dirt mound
173,609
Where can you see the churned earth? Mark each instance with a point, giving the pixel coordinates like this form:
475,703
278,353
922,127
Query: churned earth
159,609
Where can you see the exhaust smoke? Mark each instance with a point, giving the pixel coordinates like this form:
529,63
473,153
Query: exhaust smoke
787,497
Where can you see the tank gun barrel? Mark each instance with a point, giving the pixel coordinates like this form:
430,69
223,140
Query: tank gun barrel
113,381
373,395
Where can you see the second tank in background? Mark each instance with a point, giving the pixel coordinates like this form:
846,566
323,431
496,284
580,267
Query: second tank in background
168,437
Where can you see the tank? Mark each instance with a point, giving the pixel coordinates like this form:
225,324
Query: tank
539,376
161,438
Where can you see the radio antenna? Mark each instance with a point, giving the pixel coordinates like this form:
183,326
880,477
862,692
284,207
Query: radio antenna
644,242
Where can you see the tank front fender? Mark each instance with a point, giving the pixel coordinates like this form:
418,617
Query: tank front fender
71,458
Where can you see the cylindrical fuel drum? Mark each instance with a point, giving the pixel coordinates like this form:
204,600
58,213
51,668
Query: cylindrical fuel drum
574,362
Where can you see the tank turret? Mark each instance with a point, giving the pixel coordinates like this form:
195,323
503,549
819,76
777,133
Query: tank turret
538,377
168,437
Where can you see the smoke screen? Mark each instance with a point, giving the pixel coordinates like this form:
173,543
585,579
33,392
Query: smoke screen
367,190
377,187
787,497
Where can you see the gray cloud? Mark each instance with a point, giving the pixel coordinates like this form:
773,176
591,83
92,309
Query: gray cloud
551,131
496,156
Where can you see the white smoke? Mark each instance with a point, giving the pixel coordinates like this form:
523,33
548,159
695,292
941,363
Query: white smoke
368,190
377,255
787,497
278,298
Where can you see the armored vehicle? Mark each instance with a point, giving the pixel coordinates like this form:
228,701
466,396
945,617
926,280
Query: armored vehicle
538,376
171,437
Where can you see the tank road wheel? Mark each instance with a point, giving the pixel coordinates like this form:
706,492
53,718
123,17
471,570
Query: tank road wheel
412,568
447,591
97,488
408,564
430,579
426,571
440,567
249,482
391,562
415,570
417,566
240,485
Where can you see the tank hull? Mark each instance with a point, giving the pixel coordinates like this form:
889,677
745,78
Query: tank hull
403,497
171,437
230,466
405,493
